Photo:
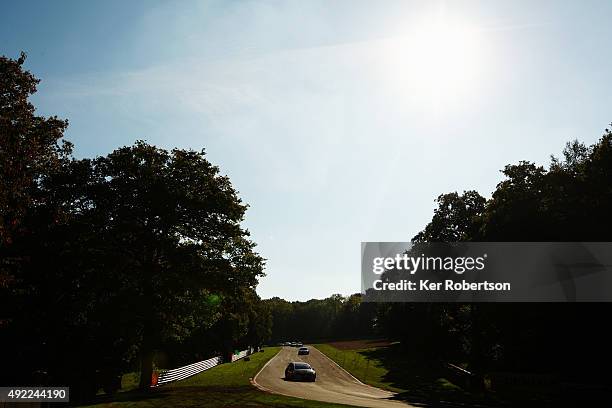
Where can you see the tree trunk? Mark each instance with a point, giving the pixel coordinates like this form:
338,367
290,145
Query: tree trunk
148,332
146,360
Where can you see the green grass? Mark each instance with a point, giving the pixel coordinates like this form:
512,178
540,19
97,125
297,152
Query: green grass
129,381
227,385
369,371
235,374
413,379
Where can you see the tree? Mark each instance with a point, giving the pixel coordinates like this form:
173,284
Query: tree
32,150
260,321
31,147
112,257
455,219
175,224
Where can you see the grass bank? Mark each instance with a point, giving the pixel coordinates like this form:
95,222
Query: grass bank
413,379
227,385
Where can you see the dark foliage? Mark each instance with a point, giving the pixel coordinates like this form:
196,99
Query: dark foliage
569,201
107,262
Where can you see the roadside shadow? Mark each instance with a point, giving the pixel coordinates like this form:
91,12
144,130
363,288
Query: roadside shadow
424,381
131,396
170,396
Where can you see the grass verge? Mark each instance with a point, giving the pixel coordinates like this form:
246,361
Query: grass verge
413,379
227,385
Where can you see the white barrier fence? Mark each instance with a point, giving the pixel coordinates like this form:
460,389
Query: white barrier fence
187,371
241,354
181,373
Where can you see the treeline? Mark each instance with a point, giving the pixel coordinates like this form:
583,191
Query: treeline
115,263
336,317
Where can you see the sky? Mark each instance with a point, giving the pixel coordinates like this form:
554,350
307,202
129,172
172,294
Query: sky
338,122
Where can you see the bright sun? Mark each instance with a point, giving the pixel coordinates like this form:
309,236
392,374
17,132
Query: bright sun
436,63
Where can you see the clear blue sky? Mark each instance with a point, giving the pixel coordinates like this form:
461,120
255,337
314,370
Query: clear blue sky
338,122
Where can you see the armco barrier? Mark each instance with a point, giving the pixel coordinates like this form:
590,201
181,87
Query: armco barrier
181,373
241,354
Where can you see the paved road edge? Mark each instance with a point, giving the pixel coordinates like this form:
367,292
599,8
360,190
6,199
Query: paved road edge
265,389
261,387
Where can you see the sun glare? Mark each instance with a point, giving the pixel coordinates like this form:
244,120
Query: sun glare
436,63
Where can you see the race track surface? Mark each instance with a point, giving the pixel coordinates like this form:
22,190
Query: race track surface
333,383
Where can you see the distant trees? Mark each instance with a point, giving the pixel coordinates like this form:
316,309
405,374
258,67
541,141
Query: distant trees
106,260
335,317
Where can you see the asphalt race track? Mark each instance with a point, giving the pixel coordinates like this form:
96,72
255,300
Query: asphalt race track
333,383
